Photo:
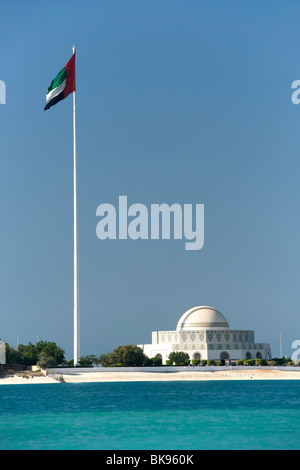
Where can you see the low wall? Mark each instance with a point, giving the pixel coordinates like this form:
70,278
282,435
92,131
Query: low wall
166,369
13,367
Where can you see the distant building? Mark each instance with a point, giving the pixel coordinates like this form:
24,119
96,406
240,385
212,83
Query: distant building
204,333
2,353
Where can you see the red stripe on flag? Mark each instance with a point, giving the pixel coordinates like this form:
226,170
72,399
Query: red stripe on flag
70,82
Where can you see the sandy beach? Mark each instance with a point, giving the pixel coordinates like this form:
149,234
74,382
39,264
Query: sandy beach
188,375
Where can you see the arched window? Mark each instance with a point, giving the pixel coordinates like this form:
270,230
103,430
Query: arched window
197,356
248,355
157,360
224,355
258,355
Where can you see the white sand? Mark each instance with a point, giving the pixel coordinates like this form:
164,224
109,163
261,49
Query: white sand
186,375
247,374
19,380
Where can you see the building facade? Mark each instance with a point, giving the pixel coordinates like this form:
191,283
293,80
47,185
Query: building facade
204,333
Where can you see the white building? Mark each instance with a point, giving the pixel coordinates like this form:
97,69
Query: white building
2,353
204,333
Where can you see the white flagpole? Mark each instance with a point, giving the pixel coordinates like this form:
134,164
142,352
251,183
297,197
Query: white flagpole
76,281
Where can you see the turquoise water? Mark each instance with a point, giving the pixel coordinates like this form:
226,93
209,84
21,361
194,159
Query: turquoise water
151,415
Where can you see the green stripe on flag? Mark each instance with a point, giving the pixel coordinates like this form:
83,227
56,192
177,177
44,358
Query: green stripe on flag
60,77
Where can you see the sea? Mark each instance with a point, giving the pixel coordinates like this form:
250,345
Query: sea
198,415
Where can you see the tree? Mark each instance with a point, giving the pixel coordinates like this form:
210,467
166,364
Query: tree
157,360
67,363
51,349
87,361
180,358
281,361
128,355
149,362
12,356
45,361
29,354
105,359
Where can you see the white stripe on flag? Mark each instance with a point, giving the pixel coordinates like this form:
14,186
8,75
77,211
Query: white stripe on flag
53,93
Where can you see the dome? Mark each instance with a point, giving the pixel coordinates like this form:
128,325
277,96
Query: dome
202,318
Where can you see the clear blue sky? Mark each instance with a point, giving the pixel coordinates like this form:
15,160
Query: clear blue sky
186,102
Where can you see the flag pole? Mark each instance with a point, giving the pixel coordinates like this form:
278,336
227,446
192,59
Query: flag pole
76,281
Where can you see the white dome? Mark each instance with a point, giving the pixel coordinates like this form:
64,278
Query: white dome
202,318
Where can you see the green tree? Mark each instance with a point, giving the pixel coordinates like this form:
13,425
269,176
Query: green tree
128,355
12,355
29,354
148,362
179,358
105,359
156,361
281,361
45,361
51,349
67,363
87,361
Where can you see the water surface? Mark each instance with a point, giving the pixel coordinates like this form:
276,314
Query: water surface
151,415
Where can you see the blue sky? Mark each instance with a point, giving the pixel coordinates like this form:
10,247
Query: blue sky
186,102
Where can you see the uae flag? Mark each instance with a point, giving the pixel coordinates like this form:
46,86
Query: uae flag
62,85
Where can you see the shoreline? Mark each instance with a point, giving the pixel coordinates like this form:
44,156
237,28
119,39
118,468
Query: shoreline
138,376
